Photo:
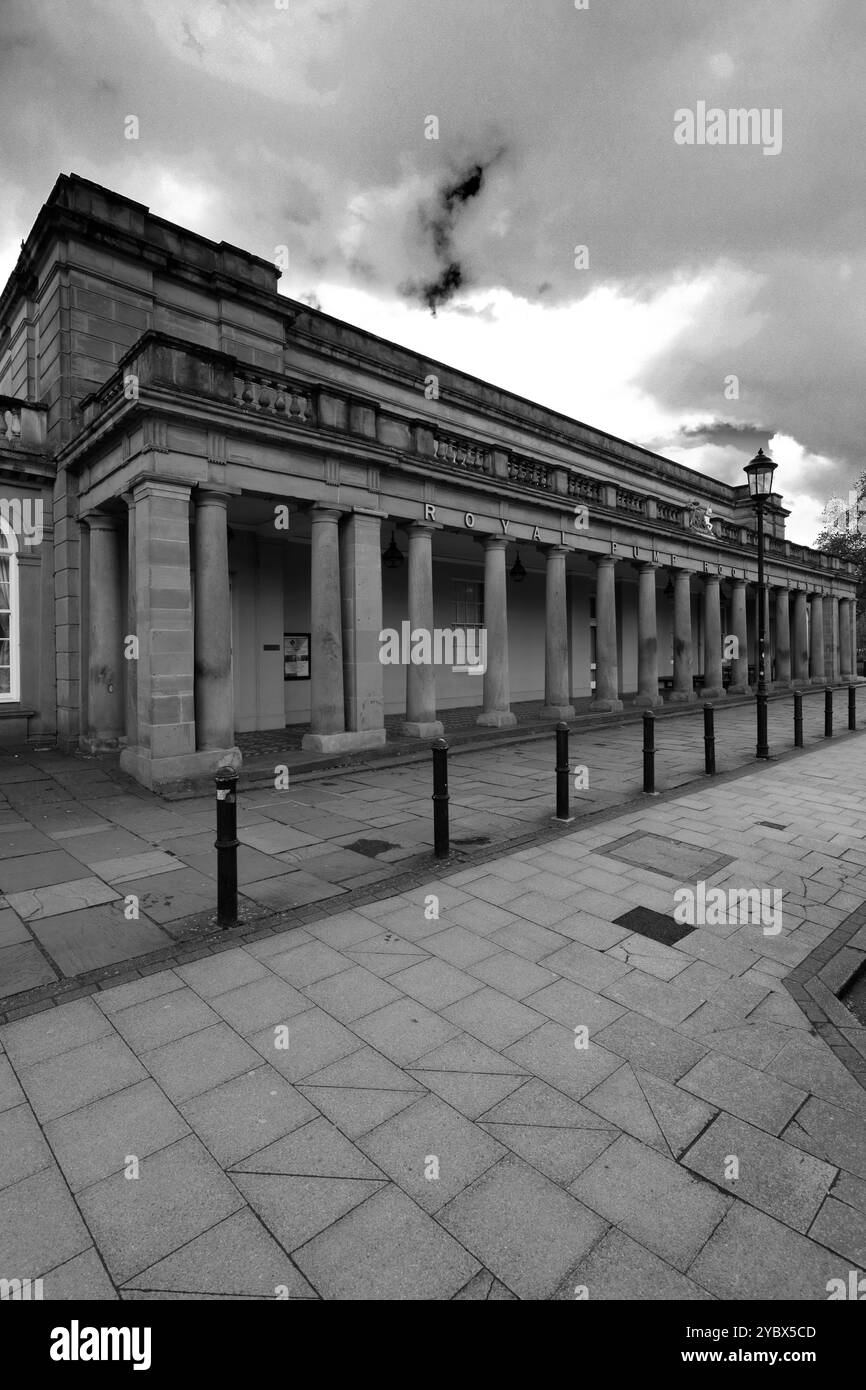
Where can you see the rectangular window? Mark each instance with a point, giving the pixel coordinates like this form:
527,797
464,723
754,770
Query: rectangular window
8,621
468,596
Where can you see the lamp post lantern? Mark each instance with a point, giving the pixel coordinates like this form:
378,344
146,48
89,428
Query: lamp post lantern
760,475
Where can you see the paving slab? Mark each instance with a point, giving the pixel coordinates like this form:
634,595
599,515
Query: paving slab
776,1177
180,1193
386,1249
522,1227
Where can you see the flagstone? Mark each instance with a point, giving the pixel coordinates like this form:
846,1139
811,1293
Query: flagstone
37,903
357,1110
365,1067
522,1227
679,1115
752,1256
652,1199
430,1132
550,1054
780,1179
297,1208
828,1132
617,1268
621,1100
752,1095
386,1249
317,1149
465,1053
241,1116
842,1229
483,1287
180,1193
236,1258
559,1153
472,1093
95,1141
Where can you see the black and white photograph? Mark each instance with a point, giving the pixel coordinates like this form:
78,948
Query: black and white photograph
432,671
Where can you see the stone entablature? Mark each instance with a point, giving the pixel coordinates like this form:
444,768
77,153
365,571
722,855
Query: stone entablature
160,369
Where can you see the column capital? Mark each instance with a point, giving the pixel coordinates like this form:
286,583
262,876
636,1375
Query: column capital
420,528
102,521
159,485
320,513
605,561
645,565
494,542
214,492
554,549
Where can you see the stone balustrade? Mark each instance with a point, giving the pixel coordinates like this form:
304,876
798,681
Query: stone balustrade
273,395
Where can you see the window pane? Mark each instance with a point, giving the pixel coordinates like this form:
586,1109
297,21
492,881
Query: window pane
5,622
5,681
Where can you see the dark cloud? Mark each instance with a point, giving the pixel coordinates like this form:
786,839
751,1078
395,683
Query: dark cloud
305,127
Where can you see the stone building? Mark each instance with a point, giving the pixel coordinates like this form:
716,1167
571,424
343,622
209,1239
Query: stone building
199,478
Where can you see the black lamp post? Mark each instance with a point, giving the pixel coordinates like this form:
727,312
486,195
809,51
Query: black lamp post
760,475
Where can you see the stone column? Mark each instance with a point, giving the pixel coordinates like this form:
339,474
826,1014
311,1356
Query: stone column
421,721
105,673
327,709
854,638
361,585
606,664
497,695
831,638
783,640
647,638
800,640
713,688
214,694
161,750
816,640
556,674
684,689
130,667
740,664
845,639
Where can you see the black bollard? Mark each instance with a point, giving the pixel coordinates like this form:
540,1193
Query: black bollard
709,741
562,772
798,719
649,752
226,844
441,842
852,707
828,712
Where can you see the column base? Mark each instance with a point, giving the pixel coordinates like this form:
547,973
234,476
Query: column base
101,743
713,692
681,697
169,774
346,742
433,728
497,719
607,706
782,685
744,689
819,680
647,701
558,712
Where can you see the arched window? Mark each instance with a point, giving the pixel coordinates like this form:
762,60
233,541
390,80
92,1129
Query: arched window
9,660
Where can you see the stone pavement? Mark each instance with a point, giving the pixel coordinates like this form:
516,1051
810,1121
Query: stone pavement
395,1101
82,847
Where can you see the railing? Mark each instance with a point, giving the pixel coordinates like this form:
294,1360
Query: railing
269,395
462,453
667,511
630,501
587,489
529,473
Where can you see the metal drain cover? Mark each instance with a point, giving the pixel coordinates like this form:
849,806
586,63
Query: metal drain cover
645,922
674,858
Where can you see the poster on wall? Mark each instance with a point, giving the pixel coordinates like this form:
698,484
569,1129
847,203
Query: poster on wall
296,656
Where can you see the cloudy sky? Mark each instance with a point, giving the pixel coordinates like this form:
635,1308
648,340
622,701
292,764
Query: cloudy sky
721,300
